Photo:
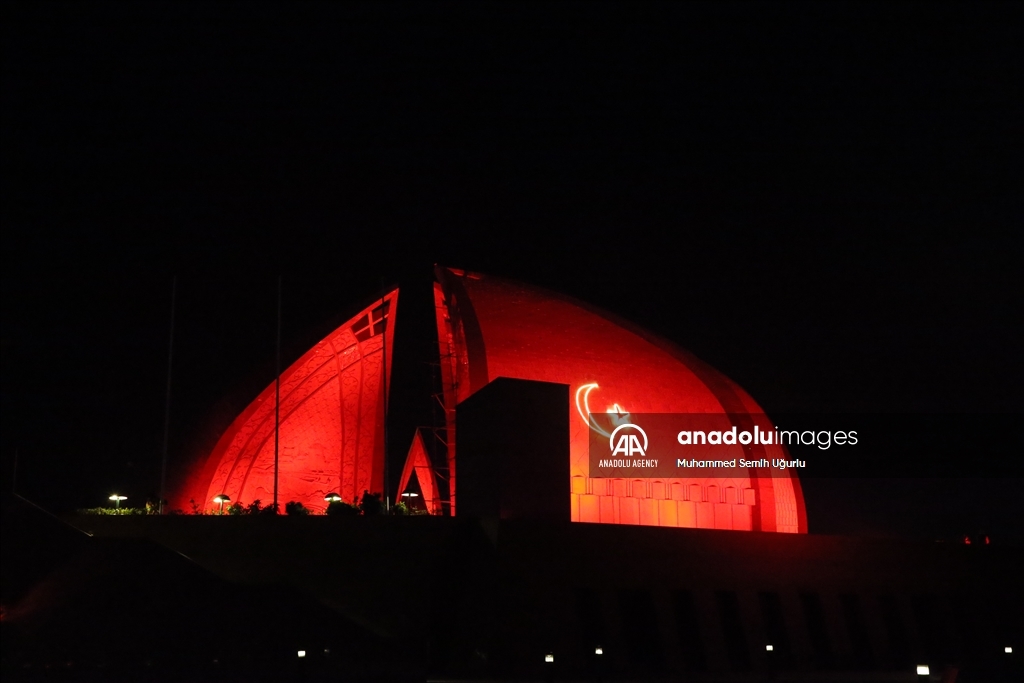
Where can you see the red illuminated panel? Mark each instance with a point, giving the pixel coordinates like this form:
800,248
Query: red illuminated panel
418,462
331,424
491,327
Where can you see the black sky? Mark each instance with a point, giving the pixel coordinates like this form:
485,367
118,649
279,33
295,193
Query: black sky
822,200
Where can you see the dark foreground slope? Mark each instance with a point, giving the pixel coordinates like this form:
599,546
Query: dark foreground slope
479,599
83,608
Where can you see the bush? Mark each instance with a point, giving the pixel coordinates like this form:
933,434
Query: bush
371,504
340,508
295,508
113,511
400,509
236,509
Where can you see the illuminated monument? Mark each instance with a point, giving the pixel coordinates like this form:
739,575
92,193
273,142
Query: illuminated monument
333,403
499,582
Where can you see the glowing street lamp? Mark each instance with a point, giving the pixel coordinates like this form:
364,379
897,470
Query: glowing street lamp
769,648
598,651
117,500
332,498
410,494
222,498
1008,650
549,658
923,670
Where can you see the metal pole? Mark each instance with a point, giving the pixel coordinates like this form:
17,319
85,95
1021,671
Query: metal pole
167,401
277,396
384,366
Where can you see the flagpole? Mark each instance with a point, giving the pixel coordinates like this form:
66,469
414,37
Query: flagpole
384,366
277,397
167,400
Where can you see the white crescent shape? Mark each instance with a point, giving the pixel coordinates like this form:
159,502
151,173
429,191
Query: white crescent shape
583,406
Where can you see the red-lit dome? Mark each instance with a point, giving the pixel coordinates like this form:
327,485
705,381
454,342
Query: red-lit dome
491,327
333,401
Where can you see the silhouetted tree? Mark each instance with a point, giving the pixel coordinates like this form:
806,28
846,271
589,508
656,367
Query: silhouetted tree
370,504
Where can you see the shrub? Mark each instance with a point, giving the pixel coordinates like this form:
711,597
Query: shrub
295,508
236,509
370,504
402,509
340,508
112,511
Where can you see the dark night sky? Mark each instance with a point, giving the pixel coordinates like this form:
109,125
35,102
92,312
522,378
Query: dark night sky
821,200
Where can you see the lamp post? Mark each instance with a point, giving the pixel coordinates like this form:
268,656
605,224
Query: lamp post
117,500
330,498
222,498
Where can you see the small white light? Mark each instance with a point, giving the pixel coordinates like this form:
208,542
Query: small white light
769,648
923,670
302,653
1008,650
598,651
549,658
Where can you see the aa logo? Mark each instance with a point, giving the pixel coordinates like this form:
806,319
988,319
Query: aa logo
628,444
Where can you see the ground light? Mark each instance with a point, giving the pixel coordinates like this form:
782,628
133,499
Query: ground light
302,653
549,658
598,651
923,670
222,498
117,499
1008,650
769,648
410,494
332,498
